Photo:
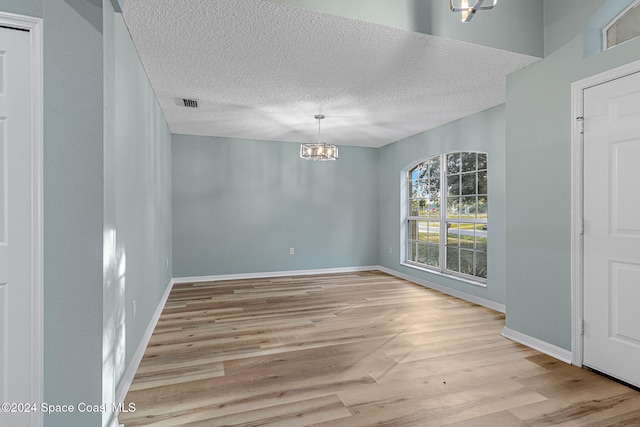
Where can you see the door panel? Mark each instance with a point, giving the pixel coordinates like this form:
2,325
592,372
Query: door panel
612,228
16,220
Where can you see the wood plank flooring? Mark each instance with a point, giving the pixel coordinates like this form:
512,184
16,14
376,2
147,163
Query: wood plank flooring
357,349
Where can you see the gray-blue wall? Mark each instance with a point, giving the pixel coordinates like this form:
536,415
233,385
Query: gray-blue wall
85,155
483,131
137,218
514,25
73,206
239,205
538,159
91,152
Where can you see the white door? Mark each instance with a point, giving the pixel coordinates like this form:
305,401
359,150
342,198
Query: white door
612,228
17,276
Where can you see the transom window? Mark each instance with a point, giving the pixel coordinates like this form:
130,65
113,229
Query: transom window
447,196
624,27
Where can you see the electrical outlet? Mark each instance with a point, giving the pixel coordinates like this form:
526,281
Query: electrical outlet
134,311
292,251
390,250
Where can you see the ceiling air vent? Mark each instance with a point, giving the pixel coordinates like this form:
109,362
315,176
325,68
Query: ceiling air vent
191,103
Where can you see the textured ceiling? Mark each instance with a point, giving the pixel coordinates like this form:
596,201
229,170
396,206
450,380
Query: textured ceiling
262,70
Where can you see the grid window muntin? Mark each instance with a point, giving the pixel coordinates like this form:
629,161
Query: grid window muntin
460,213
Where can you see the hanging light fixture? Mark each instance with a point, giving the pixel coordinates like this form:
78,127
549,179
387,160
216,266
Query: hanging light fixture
320,150
469,11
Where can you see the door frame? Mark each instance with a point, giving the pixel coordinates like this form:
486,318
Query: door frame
34,26
577,199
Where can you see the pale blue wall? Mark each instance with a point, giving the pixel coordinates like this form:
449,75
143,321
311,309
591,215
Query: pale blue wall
22,7
137,223
85,163
483,131
73,206
83,194
538,252
514,25
239,205
143,189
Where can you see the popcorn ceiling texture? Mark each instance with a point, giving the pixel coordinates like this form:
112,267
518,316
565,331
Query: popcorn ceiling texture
262,70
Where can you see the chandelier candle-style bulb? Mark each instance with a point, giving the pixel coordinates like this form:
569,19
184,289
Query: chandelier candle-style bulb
320,150
468,8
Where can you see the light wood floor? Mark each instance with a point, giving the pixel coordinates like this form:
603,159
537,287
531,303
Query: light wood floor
358,349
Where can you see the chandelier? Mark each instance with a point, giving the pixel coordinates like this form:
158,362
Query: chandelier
319,150
469,11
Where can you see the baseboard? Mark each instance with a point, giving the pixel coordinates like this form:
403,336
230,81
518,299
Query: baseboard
445,290
130,372
241,276
536,344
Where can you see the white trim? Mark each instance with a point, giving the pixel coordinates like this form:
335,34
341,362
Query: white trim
542,346
130,372
449,275
577,283
445,290
261,275
34,26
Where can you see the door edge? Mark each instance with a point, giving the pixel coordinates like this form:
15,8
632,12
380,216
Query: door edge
34,26
577,191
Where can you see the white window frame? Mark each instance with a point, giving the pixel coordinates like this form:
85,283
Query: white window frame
443,219
605,30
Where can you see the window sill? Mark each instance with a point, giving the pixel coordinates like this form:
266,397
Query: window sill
447,275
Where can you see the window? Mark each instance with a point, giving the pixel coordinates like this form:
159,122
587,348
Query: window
625,26
447,196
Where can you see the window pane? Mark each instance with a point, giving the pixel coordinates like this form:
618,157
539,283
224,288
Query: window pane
467,236
469,183
468,161
419,189
481,238
465,196
415,207
424,208
453,207
434,167
422,170
423,232
481,264
466,262
434,184
452,258
483,207
433,257
434,232
482,182
434,206
453,182
625,28
452,234
482,161
412,230
422,253
413,253
453,163
468,207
